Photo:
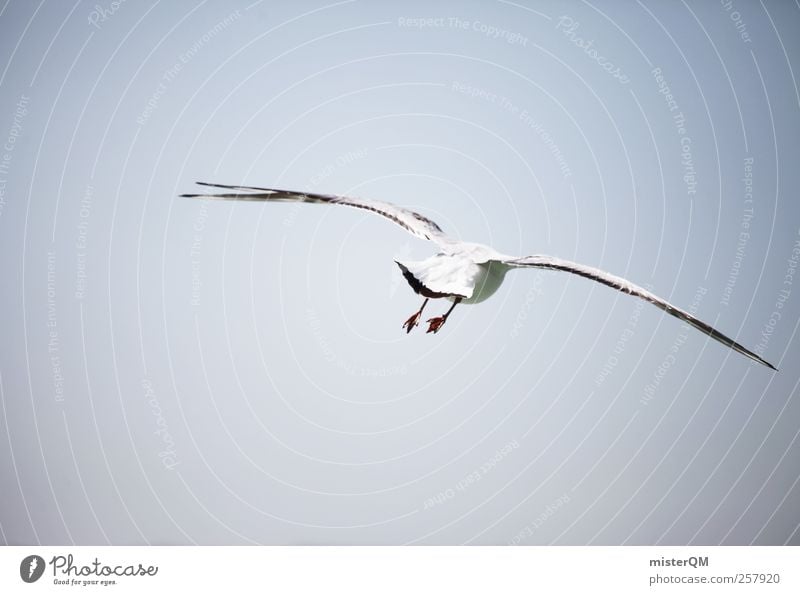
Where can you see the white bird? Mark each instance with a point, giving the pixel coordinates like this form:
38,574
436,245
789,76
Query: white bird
462,272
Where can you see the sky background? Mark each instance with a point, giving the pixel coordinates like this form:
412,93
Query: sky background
175,371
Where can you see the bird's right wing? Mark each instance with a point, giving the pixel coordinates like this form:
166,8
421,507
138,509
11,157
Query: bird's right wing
411,221
625,286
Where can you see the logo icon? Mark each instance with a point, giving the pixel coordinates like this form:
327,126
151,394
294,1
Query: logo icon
31,569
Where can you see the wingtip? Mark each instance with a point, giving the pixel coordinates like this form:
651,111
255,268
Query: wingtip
766,363
194,195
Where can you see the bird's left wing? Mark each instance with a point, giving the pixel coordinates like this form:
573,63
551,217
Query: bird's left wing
620,284
411,221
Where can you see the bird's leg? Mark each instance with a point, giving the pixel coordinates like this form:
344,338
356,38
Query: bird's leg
436,323
414,320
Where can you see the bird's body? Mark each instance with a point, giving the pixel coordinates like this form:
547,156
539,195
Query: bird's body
464,272
454,276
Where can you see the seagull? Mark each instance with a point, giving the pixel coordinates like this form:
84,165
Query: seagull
461,272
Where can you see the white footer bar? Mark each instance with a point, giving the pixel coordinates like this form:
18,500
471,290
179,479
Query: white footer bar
354,570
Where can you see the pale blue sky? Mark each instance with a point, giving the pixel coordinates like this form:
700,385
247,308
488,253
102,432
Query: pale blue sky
176,371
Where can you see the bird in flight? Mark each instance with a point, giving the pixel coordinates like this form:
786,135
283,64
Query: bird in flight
462,272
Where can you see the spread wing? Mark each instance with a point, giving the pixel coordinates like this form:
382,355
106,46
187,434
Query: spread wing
620,284
411,221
